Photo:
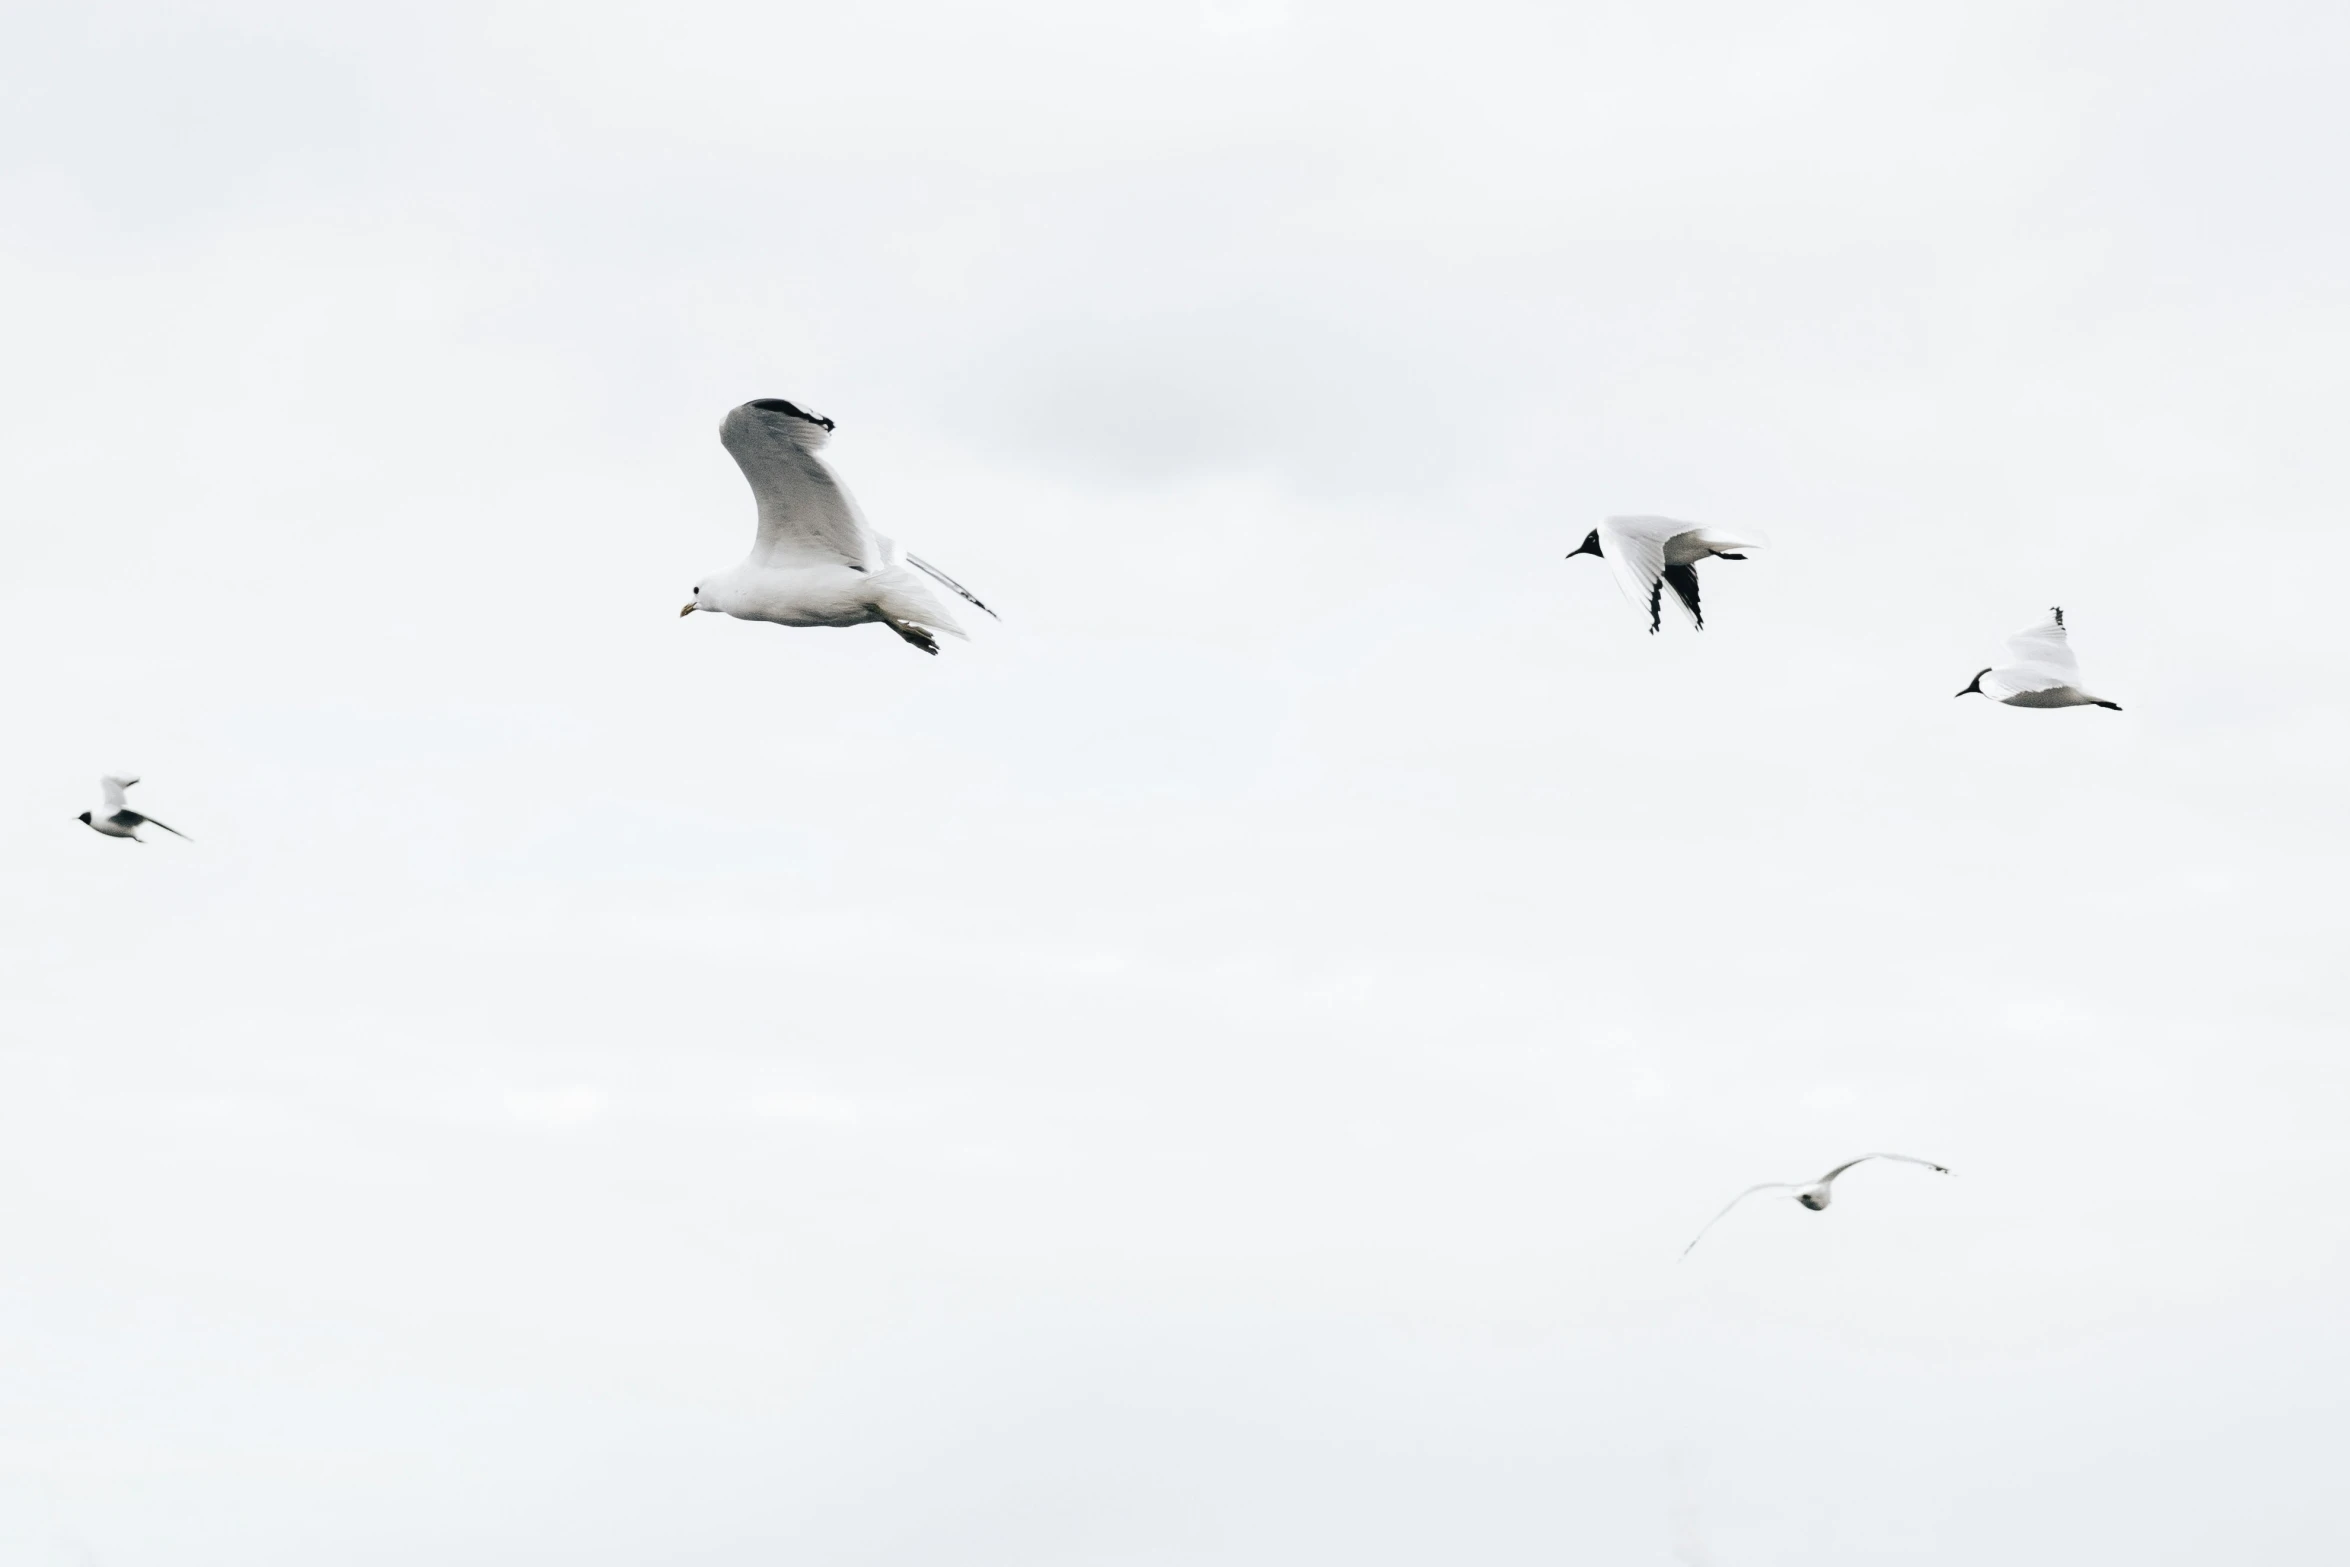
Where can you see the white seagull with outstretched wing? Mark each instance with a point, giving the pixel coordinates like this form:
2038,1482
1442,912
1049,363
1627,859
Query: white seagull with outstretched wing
1814,1195
117,819
816,562
2044,674
1651,554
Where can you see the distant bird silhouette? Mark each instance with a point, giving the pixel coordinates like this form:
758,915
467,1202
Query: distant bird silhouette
815,561
1651,554
118,820
1814,1196
2043,673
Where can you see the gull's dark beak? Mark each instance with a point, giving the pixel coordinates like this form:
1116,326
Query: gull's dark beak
689,609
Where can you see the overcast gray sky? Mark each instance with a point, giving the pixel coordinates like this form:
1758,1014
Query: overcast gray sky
1218,1068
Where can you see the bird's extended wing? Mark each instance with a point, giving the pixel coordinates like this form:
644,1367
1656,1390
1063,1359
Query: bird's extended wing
136,819
2022,680
1683,581
2044,647
1866,1157
114,788
928,569
1635,548
1767,1186
805,517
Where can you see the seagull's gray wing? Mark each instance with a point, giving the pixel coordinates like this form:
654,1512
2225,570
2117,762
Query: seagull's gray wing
805,517
134,819
1767,1186
920,564
114,787
1866,1157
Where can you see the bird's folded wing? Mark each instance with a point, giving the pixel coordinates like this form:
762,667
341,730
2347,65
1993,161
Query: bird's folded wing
1767,1186
805,516
2044,646
1635,548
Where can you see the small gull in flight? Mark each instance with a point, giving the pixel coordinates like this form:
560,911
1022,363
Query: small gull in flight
816,562
2043,673
1814,1196
118,820
1651,554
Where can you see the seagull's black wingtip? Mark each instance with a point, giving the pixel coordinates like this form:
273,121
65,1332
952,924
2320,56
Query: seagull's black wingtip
778,405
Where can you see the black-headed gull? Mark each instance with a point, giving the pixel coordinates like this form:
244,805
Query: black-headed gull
118,820
1651,554
816,562
1814,1196
2042,674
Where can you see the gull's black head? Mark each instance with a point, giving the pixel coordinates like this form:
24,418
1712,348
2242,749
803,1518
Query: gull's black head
1974,687
1811,1202
84,818
1589,546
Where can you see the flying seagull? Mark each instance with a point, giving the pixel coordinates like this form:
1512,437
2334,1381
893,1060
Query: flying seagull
1814,1196
816,562
1651,554
118,820
2042,674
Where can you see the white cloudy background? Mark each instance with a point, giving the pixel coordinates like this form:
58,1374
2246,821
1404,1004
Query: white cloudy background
1218,1068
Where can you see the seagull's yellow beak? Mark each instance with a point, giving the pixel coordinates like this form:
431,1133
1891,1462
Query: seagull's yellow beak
690,608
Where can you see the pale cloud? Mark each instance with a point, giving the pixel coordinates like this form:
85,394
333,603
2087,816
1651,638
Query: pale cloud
1829,1096
817,1109
1243,16
573,1105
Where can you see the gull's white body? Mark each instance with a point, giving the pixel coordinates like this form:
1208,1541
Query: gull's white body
1649,554
117,819
820,596
815,561
1815,1196
2044,674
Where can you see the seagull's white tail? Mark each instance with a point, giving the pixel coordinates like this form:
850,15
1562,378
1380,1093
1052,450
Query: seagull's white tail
902,596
